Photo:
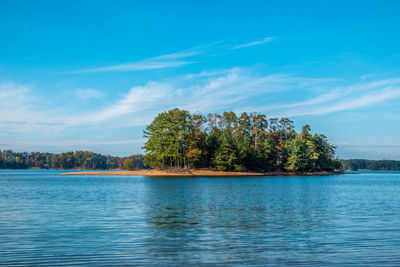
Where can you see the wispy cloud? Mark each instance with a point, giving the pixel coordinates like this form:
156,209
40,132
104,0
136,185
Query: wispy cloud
17,103
138,98
323,98
346,98
88,93
143,65
263,41
173,60
12,90
160,62
367,76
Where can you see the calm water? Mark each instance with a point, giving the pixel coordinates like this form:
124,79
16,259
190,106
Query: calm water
46,219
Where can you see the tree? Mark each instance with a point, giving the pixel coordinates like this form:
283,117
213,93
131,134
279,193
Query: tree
168,135
225,158
196,152
303,152
299,157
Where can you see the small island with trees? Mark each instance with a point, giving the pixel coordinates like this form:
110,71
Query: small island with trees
178,140
180,143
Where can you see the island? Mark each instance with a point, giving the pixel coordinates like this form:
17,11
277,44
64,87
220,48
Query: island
183,144
177,139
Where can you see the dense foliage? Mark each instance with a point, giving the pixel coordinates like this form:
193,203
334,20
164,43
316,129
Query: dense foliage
70,160
374,165
178,139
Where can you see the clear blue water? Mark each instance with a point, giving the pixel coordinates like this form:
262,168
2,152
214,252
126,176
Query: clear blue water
47,219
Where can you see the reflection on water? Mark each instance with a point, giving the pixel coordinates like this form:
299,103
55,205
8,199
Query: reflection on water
98,220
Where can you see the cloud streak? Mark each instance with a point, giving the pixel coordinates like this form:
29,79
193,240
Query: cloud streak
263,41
160,62
346,98
88,93
172,60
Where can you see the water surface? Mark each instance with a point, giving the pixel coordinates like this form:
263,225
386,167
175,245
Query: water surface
47,219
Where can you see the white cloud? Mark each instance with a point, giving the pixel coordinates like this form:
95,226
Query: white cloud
346,98
88,93
367,76
14,91
160,62
138,98
172,60
136,66
16,103
178,55
263,41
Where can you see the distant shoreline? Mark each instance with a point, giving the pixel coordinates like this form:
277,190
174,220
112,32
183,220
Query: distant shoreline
196,173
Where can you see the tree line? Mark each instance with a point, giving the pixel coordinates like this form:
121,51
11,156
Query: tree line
373,165
228,142
70,160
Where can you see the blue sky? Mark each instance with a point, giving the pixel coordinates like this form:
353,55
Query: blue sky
91,74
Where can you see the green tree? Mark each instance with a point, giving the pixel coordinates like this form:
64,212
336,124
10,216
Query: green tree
168,136
225,158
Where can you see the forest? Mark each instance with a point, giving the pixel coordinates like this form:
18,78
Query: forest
228,142
373,165
84,160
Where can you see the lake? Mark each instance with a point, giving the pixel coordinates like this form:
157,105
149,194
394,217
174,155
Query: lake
47,219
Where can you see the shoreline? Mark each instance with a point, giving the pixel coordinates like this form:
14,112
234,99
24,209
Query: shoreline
196,173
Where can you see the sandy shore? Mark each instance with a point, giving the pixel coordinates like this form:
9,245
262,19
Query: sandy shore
189,173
